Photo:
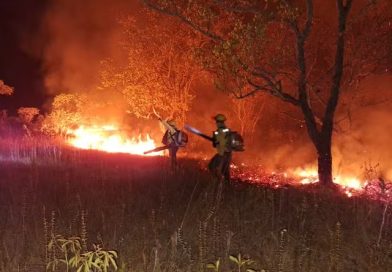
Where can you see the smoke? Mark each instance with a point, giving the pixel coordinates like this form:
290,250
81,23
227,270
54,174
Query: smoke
80,35
368,143
281,142
363,140
367,140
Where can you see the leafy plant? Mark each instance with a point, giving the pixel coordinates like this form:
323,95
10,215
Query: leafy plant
96,260
67,247
241,262
214,266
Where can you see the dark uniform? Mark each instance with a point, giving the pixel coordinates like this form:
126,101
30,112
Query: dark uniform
220,163
170,139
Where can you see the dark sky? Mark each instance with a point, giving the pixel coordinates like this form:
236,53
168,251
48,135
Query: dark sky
20,54
62,40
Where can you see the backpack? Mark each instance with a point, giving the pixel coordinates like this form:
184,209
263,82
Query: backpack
236,141
180,137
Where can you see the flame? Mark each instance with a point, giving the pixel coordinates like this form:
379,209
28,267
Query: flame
109,139
349,184
310,175
306,176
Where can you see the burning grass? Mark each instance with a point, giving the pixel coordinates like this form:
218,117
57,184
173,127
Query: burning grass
157,221
109,138
303,177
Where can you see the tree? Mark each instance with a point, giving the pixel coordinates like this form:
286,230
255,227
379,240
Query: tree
5,89
248,112
301,55
159,70
67,112
27,114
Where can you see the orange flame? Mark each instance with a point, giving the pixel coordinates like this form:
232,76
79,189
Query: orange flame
108,138
348,183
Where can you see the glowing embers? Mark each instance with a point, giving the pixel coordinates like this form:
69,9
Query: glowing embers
306,176
350,185
109,138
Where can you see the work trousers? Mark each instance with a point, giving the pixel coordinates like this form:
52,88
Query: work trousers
173,156
220,165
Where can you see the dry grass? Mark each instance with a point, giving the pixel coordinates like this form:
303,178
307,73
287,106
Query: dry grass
157,221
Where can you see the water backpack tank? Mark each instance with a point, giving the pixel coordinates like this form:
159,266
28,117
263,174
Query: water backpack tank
236,141
182,138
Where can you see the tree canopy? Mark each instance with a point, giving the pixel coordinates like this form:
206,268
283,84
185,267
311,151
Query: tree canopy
5,89
293,50
158,69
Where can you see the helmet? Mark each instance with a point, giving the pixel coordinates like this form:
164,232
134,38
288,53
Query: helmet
172,122
220,117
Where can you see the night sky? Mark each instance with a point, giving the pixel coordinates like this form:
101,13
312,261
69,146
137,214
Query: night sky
26,51
21,61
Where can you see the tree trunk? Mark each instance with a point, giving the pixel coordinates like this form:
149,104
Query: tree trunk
322,141
325,160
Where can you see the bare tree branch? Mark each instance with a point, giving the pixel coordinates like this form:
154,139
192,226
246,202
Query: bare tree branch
237,9
309,19
275,90
301,38
185,20
241,96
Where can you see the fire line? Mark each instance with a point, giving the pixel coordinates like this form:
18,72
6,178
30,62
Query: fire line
108,138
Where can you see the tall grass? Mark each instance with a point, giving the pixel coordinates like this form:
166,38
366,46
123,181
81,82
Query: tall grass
158,221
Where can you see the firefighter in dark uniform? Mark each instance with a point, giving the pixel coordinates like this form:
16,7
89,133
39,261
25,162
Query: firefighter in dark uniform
220,163
170,139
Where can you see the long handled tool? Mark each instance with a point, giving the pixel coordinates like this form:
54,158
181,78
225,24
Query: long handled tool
198,132
188,128
157,149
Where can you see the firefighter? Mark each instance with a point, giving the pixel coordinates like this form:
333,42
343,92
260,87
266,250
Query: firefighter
170,139
220,163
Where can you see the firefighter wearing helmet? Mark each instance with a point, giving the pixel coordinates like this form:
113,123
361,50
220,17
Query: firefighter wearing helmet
173,139
220,163
170,139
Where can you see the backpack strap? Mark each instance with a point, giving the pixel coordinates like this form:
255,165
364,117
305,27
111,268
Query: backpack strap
172,136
